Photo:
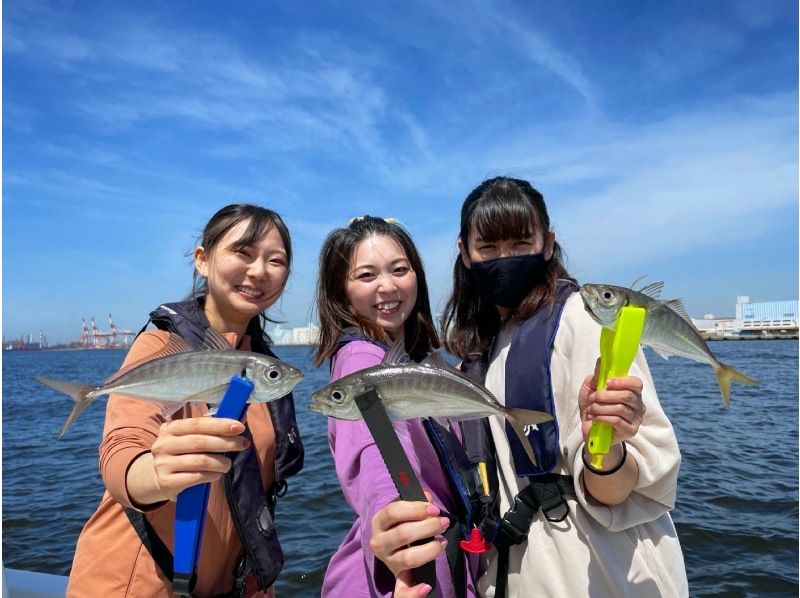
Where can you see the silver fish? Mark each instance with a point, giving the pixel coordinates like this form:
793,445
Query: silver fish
668,329
432,388
184,375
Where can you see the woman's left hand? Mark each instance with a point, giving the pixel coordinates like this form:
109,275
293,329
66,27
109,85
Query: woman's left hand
619,404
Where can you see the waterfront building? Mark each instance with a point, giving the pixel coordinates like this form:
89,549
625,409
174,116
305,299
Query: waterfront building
304,335
766,317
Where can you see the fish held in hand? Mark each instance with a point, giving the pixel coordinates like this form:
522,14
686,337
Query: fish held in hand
178,374
668,329
432,388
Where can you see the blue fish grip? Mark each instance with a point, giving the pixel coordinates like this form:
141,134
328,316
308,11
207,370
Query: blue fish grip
192,504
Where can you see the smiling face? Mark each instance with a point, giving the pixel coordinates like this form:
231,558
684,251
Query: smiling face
381,285
242,282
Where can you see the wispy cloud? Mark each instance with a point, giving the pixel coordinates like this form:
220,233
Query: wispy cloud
150,123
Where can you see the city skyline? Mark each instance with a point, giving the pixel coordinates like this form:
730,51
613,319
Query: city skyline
663,137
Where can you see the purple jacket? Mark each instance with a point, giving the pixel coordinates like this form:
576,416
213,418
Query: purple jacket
353,570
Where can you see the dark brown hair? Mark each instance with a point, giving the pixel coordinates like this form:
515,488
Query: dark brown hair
334,309
260,222
497,209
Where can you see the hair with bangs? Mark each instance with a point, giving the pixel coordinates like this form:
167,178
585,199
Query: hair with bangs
334,309
497,209
260,221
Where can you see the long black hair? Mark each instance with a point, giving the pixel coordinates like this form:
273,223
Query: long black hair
499,208
333,307
260,222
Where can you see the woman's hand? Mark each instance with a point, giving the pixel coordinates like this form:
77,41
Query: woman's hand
619,405
394,528
186,453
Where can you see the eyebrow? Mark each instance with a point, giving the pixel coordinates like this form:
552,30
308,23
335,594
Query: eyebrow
394,262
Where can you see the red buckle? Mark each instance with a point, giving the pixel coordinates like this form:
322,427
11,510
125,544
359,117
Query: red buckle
476,544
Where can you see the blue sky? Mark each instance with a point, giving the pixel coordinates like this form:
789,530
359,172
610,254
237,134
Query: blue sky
663,136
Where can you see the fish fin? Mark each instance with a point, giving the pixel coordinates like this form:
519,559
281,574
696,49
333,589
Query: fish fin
437,360
635,282
174,346
214,340
727,374
76,391
170,408
519,418
396,354
679,308
442,421
653,290
663,353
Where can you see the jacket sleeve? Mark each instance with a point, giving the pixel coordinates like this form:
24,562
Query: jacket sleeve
365,481
131,425
654,446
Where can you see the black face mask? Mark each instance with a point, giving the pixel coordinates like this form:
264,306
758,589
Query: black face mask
506,281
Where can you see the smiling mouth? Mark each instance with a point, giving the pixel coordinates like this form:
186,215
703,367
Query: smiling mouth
250,292
388,307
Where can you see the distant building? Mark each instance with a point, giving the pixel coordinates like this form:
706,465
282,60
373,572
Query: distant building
712,327
766,316
305,335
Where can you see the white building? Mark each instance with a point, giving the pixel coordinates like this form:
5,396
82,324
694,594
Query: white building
305,335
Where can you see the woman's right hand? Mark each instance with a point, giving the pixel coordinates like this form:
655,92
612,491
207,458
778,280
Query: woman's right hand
394,528
186,453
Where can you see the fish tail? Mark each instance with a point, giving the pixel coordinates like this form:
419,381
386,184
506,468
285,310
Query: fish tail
727,374
519,418
77,392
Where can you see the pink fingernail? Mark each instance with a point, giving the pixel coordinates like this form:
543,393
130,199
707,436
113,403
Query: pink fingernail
444,522
432,510
443,542
424,589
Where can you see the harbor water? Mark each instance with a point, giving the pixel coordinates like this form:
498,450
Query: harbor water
736,513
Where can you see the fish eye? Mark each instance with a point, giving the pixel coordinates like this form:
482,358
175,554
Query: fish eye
337,395
273,374
607,295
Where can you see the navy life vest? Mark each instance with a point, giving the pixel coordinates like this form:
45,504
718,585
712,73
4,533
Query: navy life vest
528,386
251,508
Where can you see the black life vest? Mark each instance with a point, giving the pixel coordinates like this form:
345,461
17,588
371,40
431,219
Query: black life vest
251,508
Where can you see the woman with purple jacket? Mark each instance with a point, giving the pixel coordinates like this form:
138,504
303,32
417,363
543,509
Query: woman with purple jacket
372,292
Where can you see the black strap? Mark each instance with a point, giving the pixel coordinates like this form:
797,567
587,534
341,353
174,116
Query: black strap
157,549
548,493
163,557
455,558
396,460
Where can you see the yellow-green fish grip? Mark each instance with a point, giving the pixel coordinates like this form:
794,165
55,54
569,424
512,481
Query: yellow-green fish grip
618,348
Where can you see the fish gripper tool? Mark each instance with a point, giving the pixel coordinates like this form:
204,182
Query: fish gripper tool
618,348
370,405
192,504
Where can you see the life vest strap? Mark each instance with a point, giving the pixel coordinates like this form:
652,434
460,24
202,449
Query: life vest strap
548,493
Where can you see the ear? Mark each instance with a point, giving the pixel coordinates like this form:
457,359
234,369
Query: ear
464,255
549,243
201,261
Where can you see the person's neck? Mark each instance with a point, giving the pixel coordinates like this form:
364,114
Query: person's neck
224,326
503,311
